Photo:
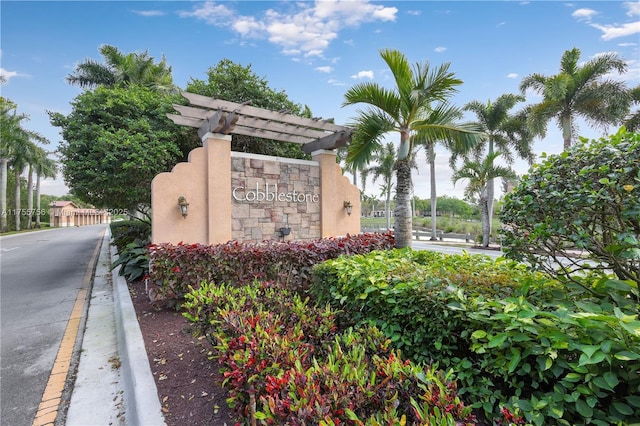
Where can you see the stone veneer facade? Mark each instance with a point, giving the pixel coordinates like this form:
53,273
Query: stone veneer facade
255,221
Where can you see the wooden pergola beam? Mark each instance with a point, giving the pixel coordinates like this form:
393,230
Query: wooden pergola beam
333,141
216,104
228,117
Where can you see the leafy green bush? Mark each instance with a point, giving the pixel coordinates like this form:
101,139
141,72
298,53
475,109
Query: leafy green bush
126,232
406,294
133,261
175,268
583,200
564,358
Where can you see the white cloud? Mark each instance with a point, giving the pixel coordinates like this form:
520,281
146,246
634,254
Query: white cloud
610,32
440,49
584,14
634,8
326,69
414,12
334,82
7,74
149,12
210,12
512,75
363,74
308,30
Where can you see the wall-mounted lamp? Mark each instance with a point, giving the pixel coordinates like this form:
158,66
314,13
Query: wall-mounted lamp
348,207
184,206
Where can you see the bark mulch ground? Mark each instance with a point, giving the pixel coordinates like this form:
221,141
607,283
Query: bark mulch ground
188,382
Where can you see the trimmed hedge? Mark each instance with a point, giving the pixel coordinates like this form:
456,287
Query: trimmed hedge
516,340
176,268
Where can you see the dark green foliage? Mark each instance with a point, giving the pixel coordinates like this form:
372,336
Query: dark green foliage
406,294
178,267
131,238
517,342
133,261
127,231
585,200
236,83
116,140
561,357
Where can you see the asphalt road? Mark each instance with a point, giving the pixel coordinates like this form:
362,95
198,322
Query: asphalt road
451,248
41,274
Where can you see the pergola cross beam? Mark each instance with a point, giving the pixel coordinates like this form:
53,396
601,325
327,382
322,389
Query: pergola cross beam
219,116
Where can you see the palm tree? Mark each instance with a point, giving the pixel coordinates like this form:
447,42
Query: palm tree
407,108
579,90
44,167
9,134
19,160
121,69
385,160
504,132
15,148
480,173
632,122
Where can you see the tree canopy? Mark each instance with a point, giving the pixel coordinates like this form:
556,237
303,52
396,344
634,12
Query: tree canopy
586,199
417,108
579,89
115,141
236,83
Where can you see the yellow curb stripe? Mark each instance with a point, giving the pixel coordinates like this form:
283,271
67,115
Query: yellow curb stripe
50,403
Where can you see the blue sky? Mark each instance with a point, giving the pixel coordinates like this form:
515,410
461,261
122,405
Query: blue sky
314,51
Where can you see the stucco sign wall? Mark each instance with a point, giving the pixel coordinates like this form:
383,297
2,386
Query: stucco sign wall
249,197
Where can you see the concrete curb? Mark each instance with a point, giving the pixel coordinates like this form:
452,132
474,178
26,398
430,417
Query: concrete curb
141,394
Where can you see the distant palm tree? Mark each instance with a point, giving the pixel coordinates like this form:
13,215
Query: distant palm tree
385,159
44,167
123,69
18,161
579,90
16,148
480,173
504,132
407,108
632,122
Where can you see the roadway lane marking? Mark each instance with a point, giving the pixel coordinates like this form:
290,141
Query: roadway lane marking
52,397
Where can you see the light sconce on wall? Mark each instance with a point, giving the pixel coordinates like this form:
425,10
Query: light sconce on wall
348,207
184,206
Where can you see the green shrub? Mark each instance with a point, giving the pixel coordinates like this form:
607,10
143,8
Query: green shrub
561,357
587,200
133,260
126,232
406,294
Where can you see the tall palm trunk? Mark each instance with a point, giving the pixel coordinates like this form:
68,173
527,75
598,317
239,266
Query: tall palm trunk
402,211
490,189
29,196
38,212
388,208
3,193
17,187
434,197
484,209
566,131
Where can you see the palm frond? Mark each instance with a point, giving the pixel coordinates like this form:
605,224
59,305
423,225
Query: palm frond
369,129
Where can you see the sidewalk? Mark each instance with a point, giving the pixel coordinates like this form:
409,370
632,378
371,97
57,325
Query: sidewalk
114,384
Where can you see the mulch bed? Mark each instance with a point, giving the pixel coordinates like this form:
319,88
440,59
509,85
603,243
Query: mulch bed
188,382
